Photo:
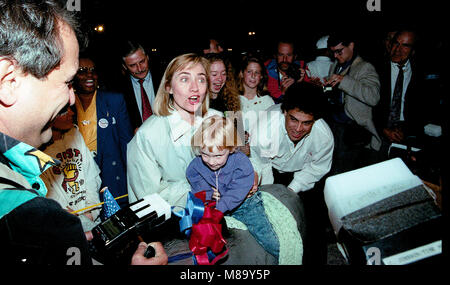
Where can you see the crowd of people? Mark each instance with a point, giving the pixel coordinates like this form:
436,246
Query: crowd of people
293,123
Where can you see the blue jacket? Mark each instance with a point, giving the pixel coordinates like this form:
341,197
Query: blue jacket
235,180
114,131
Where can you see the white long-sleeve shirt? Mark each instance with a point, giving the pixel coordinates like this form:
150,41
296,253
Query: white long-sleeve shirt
271,147
158,156
320,67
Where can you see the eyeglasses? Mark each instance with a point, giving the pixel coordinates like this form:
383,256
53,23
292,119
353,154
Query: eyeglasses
338,51
85,70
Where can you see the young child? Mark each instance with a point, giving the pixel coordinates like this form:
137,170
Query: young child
227,176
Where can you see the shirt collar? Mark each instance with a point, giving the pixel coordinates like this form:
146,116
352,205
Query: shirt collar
24,158
406,66
136,80
79,105
179,127
346,64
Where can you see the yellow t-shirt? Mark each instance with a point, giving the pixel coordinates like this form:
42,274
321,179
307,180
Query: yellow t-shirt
87,122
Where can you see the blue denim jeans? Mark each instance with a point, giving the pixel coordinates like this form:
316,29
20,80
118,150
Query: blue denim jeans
252,214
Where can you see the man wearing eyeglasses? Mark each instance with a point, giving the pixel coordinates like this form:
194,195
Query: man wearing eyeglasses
104,123
356,90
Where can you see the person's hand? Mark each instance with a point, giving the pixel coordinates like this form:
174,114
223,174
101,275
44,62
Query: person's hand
245,149
89,235
317,81
160,257
302,75
285,83
393,135
291,189
334,80
216,194
254,187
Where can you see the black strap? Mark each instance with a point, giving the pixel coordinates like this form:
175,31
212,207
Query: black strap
11,182
15,186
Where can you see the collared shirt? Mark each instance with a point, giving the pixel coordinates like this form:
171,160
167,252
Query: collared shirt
407,73
158,156
149,89
310,159
87,122
28,162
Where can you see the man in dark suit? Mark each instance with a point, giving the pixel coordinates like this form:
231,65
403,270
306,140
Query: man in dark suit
138,86
397,120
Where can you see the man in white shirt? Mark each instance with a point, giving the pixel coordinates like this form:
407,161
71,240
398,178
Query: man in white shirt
319,68
291,145
292,138
139,88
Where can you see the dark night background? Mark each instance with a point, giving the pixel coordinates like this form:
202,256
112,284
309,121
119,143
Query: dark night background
176,27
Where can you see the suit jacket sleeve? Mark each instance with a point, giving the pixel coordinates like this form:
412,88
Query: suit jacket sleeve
124,126
363,85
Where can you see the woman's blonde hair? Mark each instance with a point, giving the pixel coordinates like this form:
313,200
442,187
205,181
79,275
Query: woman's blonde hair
164,100
216,132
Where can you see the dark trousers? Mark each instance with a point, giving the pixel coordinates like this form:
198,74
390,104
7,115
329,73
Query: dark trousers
316,219
350,150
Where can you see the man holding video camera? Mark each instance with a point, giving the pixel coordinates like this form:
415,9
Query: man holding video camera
38,60
283,70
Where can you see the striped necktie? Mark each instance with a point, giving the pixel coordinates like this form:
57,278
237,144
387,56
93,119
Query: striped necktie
396,103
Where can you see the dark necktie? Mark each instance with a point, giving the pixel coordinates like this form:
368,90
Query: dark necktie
394,115
146,108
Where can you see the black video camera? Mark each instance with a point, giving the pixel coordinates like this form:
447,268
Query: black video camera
116,239
294,71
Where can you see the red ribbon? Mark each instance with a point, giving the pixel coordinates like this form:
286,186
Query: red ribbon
206,235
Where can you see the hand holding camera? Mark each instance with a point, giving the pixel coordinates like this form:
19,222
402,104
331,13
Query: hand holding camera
151,254
334,80
295,72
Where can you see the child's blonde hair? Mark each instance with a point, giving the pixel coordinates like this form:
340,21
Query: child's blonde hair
216,132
